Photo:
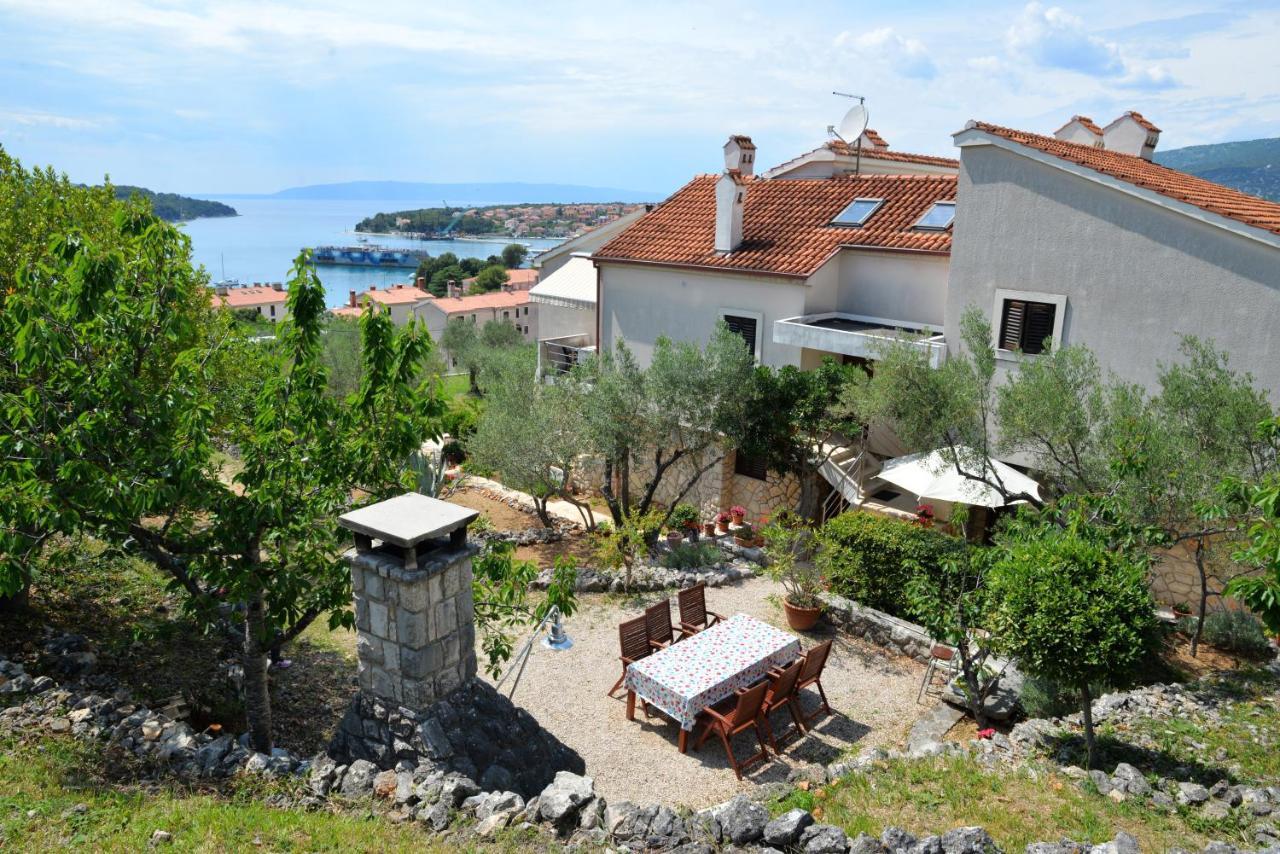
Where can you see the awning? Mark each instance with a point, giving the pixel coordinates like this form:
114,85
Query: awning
571,286
931,475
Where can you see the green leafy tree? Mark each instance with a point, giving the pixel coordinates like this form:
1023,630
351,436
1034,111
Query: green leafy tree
513,255
500,590
440,279
622,548
1260,501
684,412
489,279
808,420
341,349
1070,607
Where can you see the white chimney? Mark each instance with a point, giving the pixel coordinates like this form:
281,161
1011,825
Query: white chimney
1081,130
731,197
1132,134
740,155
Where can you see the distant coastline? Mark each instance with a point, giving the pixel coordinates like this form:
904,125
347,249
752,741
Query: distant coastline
172,207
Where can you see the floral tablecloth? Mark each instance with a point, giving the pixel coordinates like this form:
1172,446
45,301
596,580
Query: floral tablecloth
688,676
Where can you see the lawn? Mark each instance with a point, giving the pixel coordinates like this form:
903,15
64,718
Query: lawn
455,385
933,796
52,797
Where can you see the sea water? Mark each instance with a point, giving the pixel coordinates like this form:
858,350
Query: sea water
261,243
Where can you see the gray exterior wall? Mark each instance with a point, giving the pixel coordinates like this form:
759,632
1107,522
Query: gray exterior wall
1136,275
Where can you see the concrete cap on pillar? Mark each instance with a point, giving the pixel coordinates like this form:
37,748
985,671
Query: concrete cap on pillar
408,521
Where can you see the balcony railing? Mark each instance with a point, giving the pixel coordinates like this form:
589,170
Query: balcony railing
852,335
559,356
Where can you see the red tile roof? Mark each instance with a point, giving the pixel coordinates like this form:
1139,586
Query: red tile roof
1086,121
786,223
397,295
523,278
744,142
497,299
1140,119
876,139
248,295
843,148
1171,183
347,311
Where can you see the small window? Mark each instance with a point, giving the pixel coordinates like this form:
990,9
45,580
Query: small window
273,311
1024,325
939,217
749,466
506,315
858,212
526,311
744,326
473,318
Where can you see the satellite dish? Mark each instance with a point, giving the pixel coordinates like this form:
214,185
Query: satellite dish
853,123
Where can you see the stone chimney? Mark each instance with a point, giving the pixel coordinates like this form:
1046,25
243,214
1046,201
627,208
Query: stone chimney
740,155
422,283
415,618
1132,134
373,287
451,288
222,290
277,286
351,298
731,197
1080,130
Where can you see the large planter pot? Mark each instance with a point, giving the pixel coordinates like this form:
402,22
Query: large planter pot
801,619
709,529
737,518
674,538
722,527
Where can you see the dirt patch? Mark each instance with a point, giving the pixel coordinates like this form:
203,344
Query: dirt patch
498,513
576,544
1209,659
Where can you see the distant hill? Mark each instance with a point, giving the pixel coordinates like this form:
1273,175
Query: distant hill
175,208
1251,166
470,194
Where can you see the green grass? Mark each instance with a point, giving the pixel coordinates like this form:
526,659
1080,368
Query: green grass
455,385
43,786
933,796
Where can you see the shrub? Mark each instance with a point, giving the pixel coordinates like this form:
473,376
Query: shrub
683,516
871,558
692,556
461,417
1233,631
1044,698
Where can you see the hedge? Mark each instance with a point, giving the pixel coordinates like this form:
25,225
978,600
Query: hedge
871,558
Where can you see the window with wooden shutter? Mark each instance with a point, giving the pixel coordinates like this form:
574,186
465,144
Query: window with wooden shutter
744,326
1024,325
748,466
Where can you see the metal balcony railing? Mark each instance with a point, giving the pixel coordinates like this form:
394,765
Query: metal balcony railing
559,356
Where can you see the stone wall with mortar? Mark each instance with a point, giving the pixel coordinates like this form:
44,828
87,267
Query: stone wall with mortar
415,628
763,498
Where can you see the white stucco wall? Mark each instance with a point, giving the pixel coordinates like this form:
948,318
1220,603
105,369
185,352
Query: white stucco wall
640,303
557,321
1135,275
899,286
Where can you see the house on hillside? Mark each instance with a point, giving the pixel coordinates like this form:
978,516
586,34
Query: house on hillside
520,279
510,306
400,300
269,301
1079,237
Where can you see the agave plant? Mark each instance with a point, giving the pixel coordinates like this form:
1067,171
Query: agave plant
428,472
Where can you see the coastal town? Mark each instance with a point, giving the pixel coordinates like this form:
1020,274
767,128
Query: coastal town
901,476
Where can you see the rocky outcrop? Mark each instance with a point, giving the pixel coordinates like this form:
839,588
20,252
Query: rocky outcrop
652,577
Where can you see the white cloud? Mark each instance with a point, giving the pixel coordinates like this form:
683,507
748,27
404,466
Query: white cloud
38,119
1054,38
907,57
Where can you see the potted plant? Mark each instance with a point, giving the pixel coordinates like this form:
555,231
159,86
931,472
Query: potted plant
684,517
737,512
708,529
744,535
722,522
674,537
1182,610
924,515
787,548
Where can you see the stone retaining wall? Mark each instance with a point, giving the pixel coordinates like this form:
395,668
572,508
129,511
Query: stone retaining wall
878,627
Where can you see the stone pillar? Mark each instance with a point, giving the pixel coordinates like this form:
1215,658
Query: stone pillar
415,618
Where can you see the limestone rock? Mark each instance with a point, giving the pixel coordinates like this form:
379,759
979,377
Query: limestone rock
359,779
826,839
785,830
564,796
742,821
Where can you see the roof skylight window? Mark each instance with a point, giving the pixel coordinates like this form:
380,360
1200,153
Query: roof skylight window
939,217
858,212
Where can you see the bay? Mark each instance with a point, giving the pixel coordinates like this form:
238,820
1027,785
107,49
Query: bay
261,243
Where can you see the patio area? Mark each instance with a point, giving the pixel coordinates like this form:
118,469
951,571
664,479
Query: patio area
872,697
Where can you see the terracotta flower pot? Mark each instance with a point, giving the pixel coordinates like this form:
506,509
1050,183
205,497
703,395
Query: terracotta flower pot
709,529
737,518
722,527
746,544
801,619
674,538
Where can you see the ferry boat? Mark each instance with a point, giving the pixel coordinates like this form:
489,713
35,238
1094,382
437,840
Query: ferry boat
369,255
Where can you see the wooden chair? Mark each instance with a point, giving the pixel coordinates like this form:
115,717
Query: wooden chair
734,715
633,637
658,619
782,692
811,675
694,616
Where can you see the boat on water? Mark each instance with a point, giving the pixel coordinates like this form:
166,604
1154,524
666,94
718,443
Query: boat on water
368,255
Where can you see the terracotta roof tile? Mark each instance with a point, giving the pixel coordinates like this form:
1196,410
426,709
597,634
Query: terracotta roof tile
396,295
876,139
1088,123
1140,119
522,278
497,299
744,142
1171,183
840,147
347,311
786,224
248,295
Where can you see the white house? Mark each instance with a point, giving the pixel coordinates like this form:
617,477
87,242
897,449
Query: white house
269,301
400,300
508,306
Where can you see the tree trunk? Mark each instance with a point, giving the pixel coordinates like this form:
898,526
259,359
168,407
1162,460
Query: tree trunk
1204,598
807,504
969,668
540,507
624,483
257,688
1086,713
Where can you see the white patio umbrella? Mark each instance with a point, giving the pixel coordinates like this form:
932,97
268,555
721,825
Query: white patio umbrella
931,475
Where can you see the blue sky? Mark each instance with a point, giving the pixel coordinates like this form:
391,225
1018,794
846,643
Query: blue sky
258,96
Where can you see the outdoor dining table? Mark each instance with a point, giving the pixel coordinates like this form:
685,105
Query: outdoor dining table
686,677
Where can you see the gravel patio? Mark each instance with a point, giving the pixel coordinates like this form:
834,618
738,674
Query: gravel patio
872,697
